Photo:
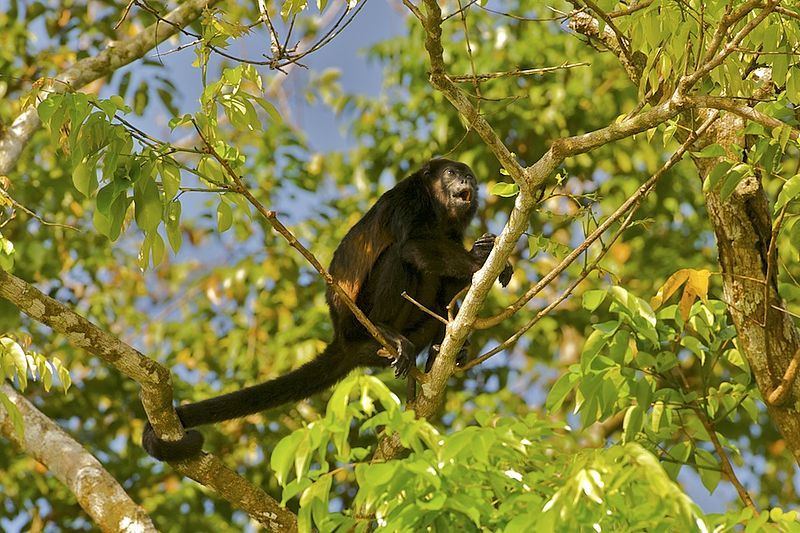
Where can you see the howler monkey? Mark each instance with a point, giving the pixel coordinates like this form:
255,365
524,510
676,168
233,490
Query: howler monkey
411,240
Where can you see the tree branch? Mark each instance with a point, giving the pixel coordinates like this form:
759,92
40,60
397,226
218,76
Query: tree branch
97,492
156,396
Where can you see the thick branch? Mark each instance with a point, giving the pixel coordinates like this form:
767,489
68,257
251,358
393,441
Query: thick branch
156,397
738,108
97,492
115,55
767,336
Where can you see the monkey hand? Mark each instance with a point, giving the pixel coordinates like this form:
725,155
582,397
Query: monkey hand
482,246
481,249
167,450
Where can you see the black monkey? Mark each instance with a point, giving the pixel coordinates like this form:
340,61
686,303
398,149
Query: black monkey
411,240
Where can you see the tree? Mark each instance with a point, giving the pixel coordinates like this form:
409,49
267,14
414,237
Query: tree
648,151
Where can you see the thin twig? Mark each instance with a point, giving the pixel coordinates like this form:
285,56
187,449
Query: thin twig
423,308
24,209
520,72
621,39
725,463
633,9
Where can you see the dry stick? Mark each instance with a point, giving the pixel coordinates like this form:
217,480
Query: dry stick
423,308
787,12
31,213
520,72
621,39
784,389
272,217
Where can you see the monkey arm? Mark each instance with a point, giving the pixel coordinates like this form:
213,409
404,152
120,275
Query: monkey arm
441,257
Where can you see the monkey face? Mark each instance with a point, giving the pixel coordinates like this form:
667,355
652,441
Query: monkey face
456,188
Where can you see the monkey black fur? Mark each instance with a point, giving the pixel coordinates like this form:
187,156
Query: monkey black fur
411,240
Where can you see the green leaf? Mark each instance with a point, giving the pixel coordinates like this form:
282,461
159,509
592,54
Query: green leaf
596,342
84,177
170,178
633,423
719,170
14,353
656,415
173,225
224,216
48,107
733,178
708,468
504,189
789,191
63,374
108,107
147,202
559,391
282,457
593,298
157,247
271,110
16,417
712,150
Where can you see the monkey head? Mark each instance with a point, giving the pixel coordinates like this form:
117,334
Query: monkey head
455,188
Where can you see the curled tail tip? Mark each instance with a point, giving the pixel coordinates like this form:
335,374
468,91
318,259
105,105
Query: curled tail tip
189,446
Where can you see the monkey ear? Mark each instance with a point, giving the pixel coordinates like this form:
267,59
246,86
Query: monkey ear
427,169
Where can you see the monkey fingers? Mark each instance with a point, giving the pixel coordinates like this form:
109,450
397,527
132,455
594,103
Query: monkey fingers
505,275
485,240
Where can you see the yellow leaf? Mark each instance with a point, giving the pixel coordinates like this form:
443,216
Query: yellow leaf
698,280
696,286
687,299
669,287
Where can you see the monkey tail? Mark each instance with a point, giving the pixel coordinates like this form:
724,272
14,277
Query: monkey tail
315,376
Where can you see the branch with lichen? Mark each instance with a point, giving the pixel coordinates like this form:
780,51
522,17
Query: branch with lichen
156,396
97,492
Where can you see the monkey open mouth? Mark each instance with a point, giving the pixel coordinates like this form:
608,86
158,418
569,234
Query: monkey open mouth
464,196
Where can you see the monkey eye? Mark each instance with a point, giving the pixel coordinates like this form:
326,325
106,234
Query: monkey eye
449,171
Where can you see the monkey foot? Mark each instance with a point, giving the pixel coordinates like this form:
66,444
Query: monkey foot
461,358
406,352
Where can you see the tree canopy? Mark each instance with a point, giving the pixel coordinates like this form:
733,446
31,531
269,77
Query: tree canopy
164,237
